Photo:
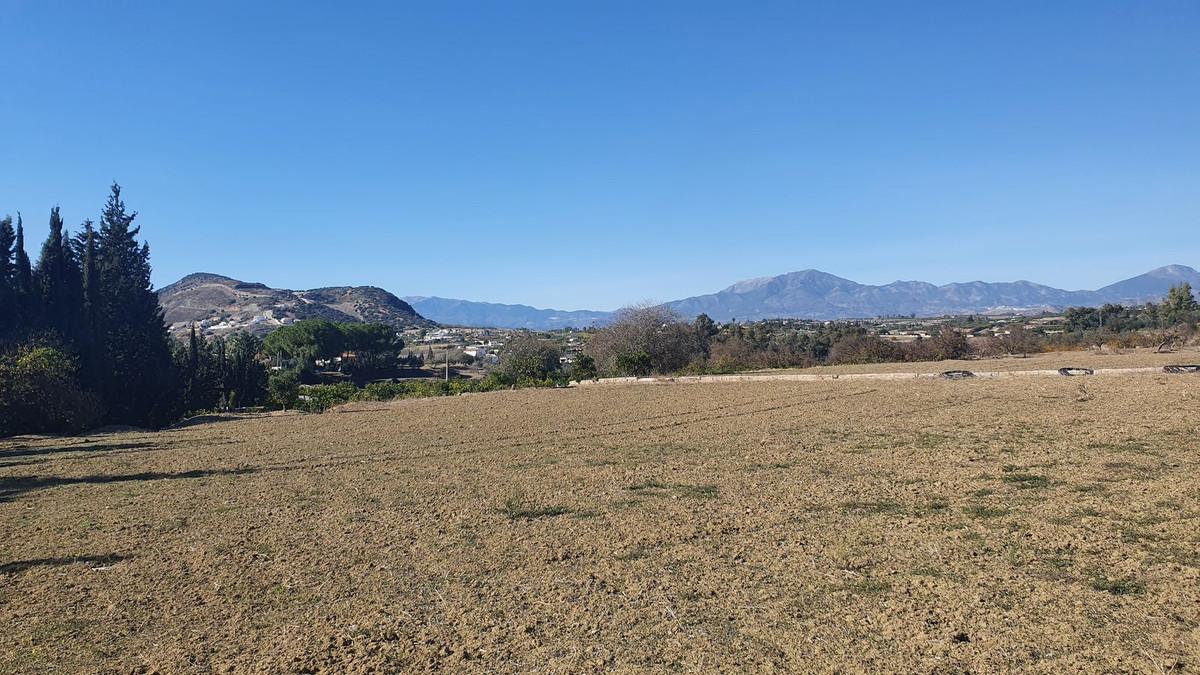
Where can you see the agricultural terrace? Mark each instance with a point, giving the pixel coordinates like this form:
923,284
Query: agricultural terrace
1041,524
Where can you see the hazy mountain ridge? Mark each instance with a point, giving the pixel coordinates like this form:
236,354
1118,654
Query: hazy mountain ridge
809,294
497,315
818,295
220,304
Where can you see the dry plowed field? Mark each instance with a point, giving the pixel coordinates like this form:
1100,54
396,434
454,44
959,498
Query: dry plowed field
1041,525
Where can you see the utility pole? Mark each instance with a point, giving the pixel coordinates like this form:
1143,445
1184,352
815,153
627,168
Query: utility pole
447,363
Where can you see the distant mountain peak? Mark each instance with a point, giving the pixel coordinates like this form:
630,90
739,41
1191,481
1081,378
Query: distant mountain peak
1182,272
813,294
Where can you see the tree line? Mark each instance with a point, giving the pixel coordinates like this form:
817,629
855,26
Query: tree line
82,333
83,342
82,337
653,340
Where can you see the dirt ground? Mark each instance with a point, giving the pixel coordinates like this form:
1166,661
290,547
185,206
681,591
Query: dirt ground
1040,525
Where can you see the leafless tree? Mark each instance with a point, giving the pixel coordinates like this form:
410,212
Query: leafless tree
644,340
1020,341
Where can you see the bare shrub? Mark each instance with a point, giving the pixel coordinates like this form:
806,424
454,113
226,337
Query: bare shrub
644,340
1020,341
950,344
863,349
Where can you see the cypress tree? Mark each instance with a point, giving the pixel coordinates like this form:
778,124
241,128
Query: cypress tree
191,372
137,376
85,251
55,281
25,305
7,269
73,291
90,355
8,237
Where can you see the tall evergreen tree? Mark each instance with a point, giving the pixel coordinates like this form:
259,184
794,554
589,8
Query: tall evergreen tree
85,251
57,282
7,277
23,271
73,276
138,376
245,376
192,377
1180,305
26,304
90,345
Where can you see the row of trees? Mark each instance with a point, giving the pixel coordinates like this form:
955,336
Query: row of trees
82,337
83,318
366,347
221,373
651,339
1178,309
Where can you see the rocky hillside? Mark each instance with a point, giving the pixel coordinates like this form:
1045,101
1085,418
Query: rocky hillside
219,305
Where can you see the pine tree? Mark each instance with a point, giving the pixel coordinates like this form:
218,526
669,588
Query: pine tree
1180,304
245,377
137,376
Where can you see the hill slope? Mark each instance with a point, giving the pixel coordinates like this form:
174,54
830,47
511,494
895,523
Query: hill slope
221,304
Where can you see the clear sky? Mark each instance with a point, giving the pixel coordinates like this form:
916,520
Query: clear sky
592,154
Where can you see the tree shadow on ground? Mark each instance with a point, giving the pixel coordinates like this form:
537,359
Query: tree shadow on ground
32,451
96,560
14,486
211,418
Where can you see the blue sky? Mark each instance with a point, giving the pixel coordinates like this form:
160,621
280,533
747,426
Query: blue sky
593,154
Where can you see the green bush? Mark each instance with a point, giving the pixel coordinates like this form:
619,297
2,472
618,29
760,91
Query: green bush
527,357
283,388
638,363
322,397
584,368
40,393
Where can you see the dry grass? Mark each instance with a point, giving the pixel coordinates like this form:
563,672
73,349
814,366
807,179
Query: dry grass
1128,358
925,526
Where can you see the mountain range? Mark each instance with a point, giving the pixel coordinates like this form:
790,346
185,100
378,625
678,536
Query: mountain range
809,294
495,315
812,294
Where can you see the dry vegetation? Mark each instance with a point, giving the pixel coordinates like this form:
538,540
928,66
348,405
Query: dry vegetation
1048,525
1126,358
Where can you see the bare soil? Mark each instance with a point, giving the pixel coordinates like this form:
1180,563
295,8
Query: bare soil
1041,525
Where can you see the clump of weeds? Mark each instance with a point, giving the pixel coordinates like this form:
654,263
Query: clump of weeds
520,507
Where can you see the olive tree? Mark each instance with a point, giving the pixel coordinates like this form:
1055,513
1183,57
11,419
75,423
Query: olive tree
525,357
